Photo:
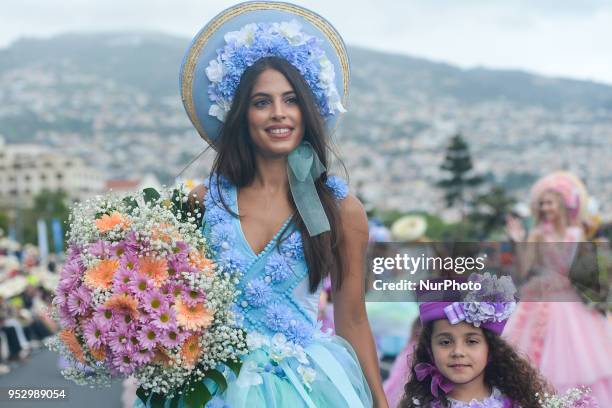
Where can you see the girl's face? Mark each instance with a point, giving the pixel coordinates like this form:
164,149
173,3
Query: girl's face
460,351
274,115
550,206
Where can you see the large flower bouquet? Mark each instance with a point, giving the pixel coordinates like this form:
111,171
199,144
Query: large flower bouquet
139,296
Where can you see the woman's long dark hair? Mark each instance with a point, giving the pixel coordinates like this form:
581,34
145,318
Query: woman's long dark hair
235,160
506,370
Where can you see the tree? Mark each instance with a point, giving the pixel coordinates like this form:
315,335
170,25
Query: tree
490,210
460,179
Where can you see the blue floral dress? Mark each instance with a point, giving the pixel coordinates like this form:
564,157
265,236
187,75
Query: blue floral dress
291,363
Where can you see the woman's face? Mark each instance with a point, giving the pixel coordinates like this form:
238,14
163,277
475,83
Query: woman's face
550,206
274,115
460,351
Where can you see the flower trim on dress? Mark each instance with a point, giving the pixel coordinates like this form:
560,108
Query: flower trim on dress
337,186
276,286
277,348
495,400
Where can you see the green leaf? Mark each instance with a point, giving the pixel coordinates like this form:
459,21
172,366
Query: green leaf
198,397
150,195
235,366
175,401
217,377
157,401
130,202
142,394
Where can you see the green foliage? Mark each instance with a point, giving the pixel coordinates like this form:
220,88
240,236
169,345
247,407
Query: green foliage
460,179
490,210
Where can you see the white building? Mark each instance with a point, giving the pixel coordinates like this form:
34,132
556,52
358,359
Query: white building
26,170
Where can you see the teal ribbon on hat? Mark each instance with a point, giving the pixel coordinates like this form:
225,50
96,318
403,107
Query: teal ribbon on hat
303,168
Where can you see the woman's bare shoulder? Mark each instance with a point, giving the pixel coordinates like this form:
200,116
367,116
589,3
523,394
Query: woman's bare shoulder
353,215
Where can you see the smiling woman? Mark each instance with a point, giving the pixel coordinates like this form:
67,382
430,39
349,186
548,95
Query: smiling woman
272,215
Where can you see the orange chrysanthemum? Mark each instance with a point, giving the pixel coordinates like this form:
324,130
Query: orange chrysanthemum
70,340
123,304
98,353
108,222
191,350
156,269
192,317
164,232
101,275
199,261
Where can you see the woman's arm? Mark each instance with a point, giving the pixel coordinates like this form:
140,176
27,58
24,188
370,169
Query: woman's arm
350,318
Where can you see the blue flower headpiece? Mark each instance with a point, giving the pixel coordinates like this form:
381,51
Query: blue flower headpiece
258,40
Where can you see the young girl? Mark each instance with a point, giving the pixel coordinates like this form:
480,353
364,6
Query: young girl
259,83
461,361
554,320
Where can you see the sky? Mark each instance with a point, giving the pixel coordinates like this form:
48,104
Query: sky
563,38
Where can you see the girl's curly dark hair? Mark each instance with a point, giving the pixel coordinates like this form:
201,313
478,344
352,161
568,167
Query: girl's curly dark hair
509,372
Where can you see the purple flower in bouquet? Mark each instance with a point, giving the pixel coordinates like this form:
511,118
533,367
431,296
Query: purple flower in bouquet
100,249
129,261
73,270
93,335
140,285
142,356
154,301
118,340
104,318
132,244
117,249
180,249
192,297
165,318
124,363
67,319
172,338
122,279
79,300
149,336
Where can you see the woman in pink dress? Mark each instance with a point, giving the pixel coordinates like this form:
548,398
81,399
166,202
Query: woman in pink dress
570,343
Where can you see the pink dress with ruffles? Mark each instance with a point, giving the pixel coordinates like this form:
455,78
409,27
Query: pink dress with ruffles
570,343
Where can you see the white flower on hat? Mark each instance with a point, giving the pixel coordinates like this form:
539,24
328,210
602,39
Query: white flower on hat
292,31
243,37
327,74
335,102
215,71
219,109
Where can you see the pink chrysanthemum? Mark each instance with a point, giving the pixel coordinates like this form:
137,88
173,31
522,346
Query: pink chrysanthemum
164,319
142,356
140,285
149,336
192,297
124,363
153,301
78,301
118,341
172,338
103,317
93,335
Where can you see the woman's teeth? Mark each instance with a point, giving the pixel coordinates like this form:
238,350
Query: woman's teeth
280,131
